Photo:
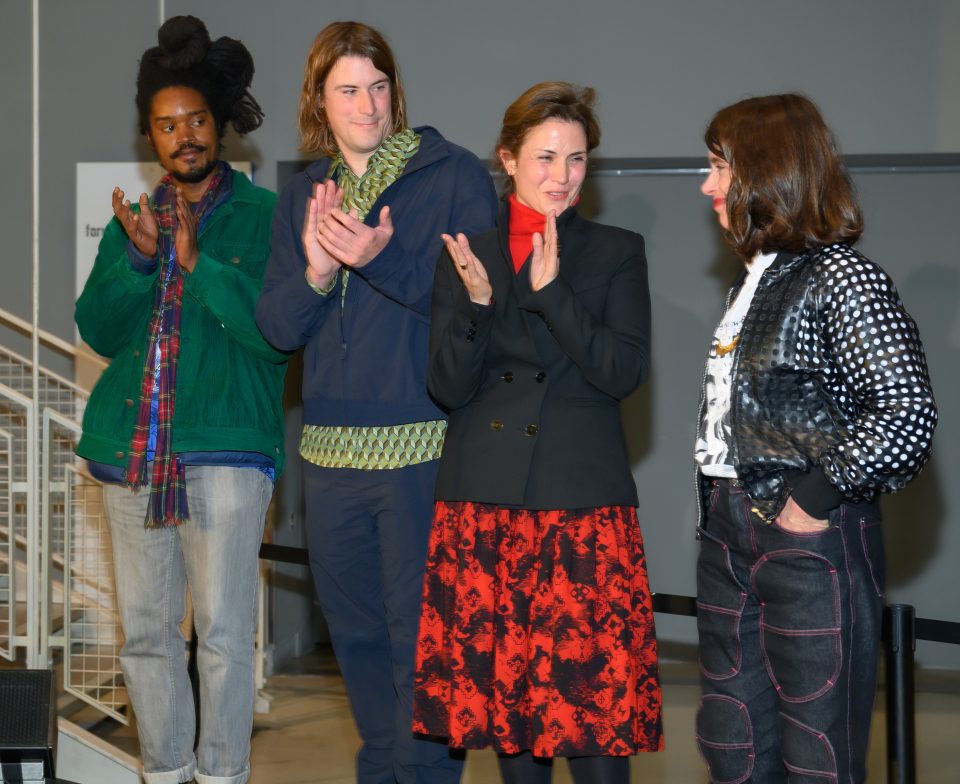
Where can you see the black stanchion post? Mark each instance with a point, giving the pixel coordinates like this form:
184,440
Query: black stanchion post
901,739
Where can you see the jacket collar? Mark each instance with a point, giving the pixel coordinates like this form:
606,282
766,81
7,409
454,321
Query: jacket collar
243,191
784,261
786,258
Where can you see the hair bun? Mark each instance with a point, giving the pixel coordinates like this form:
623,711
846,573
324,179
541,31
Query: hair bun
221,71
233,61
184,42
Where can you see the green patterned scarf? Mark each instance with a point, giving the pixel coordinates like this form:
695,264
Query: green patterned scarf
383,169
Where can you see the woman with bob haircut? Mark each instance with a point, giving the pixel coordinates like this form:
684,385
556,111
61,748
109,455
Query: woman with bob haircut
816,400
355,243
536,633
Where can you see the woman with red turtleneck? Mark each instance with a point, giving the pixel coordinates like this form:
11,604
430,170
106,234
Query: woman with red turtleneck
536,634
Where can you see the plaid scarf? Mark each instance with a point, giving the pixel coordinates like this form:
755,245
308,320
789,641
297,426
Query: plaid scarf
168,487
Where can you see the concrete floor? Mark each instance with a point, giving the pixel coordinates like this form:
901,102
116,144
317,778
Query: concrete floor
308,736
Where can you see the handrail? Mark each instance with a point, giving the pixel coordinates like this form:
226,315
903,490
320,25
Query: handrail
72,385
50,340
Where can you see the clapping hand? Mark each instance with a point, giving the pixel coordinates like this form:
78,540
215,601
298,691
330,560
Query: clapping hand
185,241
321,266
352,242
545,263
142,229
469,268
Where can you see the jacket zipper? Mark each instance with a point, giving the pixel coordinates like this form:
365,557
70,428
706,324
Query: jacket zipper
734,452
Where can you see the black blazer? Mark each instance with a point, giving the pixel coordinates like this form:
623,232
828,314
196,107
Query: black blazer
533,381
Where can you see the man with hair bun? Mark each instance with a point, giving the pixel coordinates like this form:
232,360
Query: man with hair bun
185,427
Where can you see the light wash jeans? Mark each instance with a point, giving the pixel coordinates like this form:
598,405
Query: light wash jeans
215,554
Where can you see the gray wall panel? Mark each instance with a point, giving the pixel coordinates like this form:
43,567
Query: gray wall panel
884,72
15,163
909,218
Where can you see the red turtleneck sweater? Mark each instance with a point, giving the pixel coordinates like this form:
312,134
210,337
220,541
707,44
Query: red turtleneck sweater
524,221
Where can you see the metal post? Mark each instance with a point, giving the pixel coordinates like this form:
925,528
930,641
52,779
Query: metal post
901,737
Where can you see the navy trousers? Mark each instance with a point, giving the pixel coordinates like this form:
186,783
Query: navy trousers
367,533
789,630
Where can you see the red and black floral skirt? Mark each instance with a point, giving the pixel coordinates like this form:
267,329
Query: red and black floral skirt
537,633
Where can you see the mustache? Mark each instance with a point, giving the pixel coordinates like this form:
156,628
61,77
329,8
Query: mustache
188,148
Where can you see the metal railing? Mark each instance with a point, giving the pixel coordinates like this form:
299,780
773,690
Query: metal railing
56,577
90,634
56,561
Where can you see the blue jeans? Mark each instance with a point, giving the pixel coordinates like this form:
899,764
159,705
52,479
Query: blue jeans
789,630
214,554
367,532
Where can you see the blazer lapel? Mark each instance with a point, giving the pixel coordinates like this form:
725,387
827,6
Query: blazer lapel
571,239
504,281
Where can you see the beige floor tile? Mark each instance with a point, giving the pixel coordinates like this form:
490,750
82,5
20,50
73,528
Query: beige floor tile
309,735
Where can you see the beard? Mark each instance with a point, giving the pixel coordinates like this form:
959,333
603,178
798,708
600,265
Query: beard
193,176
197,173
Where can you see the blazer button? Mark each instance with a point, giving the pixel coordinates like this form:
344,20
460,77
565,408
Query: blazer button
508,376
496,424
540,377
119,455
136,352
532,430
128,402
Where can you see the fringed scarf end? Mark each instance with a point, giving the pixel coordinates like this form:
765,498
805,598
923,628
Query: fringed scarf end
169,521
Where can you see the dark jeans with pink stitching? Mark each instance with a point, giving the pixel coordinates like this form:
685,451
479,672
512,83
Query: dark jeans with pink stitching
789,630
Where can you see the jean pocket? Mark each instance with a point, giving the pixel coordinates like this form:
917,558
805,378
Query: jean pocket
720,602
725,739
807,753
799,594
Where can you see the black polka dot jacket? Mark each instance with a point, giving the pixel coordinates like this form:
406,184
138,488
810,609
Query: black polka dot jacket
831,398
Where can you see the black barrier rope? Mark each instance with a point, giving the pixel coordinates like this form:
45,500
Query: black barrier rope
936,631
901,630
279,552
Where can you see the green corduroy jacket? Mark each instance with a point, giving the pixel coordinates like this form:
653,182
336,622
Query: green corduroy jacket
229,379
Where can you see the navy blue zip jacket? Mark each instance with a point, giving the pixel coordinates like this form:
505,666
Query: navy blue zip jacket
365,361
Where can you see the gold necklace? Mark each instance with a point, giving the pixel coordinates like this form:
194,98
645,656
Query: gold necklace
723,349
